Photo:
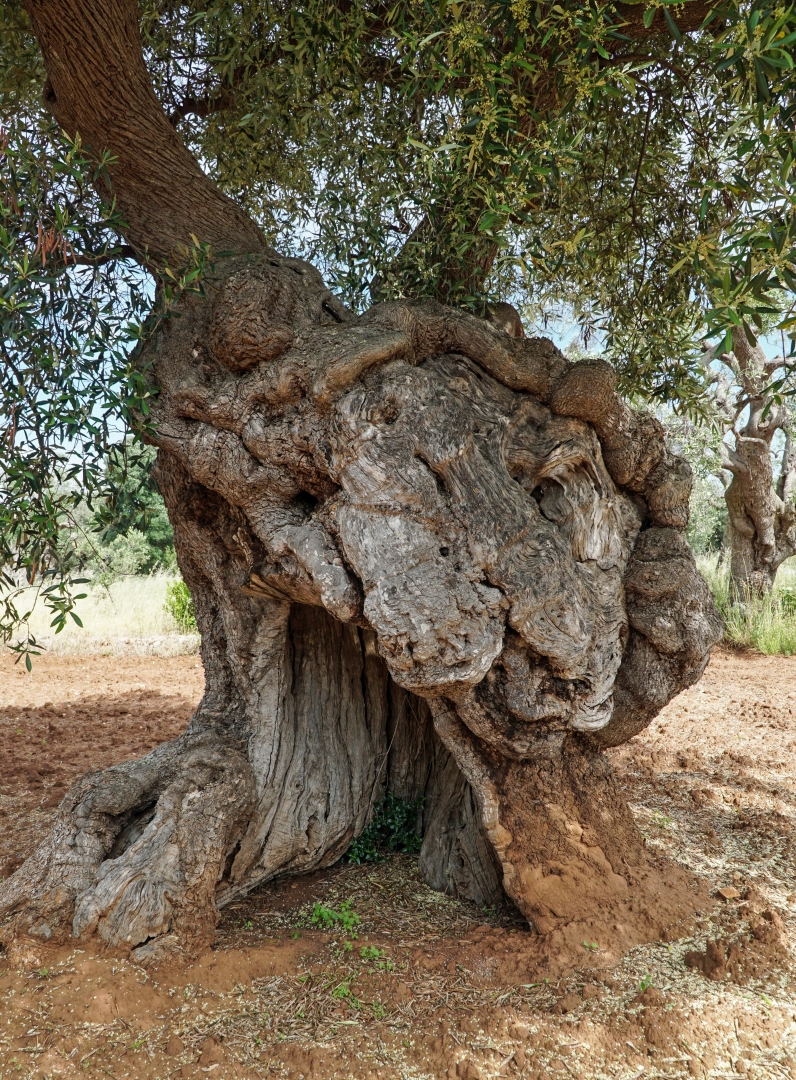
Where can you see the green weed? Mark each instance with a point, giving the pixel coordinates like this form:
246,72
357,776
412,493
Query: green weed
343,992
328,918
179,604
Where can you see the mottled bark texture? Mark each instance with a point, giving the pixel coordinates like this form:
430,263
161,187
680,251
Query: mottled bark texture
428,555
761,511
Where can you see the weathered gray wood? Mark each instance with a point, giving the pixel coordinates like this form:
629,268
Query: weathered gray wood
384,520
456,857
761,512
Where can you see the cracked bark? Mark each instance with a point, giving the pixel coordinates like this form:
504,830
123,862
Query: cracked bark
426,556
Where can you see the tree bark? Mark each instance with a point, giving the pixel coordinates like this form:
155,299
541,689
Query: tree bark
412,505
98,88
761,512
426,556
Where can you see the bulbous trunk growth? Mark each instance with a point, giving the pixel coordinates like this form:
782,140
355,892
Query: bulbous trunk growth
426,557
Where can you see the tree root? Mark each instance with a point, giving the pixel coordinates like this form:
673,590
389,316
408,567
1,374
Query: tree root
557,820
137,851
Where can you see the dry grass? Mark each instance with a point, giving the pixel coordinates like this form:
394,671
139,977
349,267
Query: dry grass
768,623
127,617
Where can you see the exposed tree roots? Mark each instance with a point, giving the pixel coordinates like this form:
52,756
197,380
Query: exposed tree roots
137,850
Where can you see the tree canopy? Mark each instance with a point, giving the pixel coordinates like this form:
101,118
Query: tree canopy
628,163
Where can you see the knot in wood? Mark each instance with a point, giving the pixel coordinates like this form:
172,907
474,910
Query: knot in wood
252,318
586,391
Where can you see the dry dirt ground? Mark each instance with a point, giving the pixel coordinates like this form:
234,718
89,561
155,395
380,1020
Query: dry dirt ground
425,986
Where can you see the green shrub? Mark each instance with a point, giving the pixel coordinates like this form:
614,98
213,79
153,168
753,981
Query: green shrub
179,604
124,556
393,827
127,533
707,515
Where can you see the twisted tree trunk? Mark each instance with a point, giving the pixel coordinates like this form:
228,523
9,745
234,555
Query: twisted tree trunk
761,512
427,557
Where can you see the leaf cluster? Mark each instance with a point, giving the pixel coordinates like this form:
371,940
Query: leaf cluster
70,312
393,827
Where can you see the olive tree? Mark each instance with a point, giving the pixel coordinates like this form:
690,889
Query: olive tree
428,554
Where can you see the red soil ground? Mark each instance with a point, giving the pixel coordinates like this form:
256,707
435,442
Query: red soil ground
430,987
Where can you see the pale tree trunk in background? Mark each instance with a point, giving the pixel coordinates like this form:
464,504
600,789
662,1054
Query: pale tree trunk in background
761,513
426,556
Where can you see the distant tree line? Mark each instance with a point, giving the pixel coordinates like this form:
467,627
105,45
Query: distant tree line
128,531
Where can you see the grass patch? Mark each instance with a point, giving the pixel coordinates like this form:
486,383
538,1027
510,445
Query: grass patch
766,623
130,610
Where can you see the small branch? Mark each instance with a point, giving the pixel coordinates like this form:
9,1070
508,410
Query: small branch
125,251
688,18
642,152
732,461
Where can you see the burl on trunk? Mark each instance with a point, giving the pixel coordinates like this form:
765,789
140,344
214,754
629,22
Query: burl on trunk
426,556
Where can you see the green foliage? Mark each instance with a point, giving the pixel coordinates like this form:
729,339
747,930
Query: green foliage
499,150
393,827
124,556
327,918
708,515
134,502
64,341
73,307
699,443
378,957
128,532
510,149
179,604
343,992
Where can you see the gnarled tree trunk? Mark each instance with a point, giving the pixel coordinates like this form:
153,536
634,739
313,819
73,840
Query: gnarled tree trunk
761,513
426,556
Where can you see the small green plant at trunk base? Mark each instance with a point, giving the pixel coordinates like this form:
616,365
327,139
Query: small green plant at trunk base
393,827
328,918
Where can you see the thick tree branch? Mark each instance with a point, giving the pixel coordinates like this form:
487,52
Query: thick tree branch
98,88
